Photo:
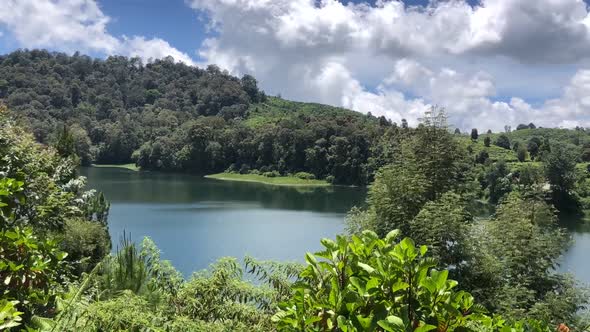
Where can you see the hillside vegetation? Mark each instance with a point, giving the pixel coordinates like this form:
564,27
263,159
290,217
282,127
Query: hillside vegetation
168,116
456,275
171,117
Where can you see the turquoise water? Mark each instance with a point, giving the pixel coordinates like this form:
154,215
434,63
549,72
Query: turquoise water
195,221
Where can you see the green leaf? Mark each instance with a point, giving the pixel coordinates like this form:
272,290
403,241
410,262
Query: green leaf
392,324
366,267
425,328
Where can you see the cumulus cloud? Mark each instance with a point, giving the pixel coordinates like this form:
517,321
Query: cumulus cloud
72,25
391,59
495,63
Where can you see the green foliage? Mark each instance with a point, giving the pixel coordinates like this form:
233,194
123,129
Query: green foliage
30,270
521,153
560,166
513,266
396,196
443,225
498,181
305,176
41,200
65,144
86,242
372,284
503,141
9,316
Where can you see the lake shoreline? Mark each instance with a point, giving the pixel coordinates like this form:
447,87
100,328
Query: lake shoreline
131,167
285,181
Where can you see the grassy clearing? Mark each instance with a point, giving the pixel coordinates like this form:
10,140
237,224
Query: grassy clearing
277,181
131,167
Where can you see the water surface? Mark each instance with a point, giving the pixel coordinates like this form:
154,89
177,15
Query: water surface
194,221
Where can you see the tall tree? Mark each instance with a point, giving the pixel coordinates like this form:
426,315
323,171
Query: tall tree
474,134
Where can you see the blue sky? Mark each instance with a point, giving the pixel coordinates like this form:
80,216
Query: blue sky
489,62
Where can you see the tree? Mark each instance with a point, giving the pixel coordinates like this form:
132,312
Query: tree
532,126
521,153
482,157
522,126
396,196
65,144
405,124
503,141
487,141
443,225
497,181
436,153
474,134
523,240
586,152
560,166
533,147
457,131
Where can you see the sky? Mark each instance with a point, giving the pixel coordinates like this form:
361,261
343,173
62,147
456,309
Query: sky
489,63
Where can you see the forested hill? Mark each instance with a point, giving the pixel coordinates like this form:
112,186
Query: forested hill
169,116
172,117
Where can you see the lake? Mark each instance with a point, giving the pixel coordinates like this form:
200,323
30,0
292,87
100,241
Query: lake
194,221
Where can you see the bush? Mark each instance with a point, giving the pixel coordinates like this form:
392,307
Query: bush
521,153
503,141
86,243
255,172
232,169
370,284
330,179
272,174
244,169
305,176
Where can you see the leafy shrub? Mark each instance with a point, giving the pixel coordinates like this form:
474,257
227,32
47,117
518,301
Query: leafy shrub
305,176
30,270
232,169
86,242
372,284
272,174
255,172
9,316
503,141
244,169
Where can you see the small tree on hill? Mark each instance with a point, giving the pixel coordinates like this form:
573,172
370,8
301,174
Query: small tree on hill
474,134
487,141
521,153
503,141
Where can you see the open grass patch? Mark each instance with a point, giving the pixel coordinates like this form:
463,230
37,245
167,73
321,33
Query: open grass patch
131,167
278,180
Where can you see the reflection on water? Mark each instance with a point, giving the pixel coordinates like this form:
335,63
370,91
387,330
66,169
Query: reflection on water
575,259
194,221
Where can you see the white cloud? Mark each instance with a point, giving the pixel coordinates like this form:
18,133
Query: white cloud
154,48
395,60
72,25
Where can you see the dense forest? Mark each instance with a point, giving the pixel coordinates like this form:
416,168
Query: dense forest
457,274
172,117
168,116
